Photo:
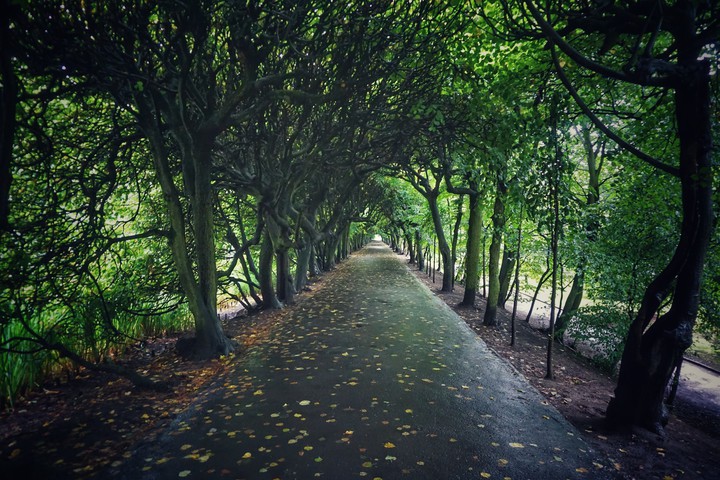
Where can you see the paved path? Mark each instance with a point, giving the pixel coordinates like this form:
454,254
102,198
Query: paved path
370,378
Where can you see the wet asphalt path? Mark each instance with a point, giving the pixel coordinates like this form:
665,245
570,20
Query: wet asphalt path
372,377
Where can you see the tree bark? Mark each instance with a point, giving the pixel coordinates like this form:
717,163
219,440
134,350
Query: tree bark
517,280
419,255
443,245
506,268
498,220
269,298
285,289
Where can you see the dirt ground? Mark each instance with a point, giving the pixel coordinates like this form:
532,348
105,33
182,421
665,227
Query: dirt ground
580,391
55,431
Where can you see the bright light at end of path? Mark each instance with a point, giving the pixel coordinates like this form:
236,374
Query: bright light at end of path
377,238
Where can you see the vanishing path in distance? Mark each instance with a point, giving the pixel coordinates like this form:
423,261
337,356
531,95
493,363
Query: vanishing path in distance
371,377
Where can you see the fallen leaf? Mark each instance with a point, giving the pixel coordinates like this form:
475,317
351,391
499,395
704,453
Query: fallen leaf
184,473
516,445
389,445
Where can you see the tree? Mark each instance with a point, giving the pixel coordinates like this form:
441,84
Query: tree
668,48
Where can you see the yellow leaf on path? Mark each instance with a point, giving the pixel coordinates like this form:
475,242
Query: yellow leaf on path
367,465
485,475
502,462
162,460
516,445
581,470
186,447
258,392
184,473
304,403
247,455
409,410
389,445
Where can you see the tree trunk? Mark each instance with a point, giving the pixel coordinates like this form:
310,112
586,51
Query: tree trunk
411,248
444,247
248,267
554,241
331,245
302,268
572,303
506,268
517,280
498,219
201,293
269,298
541,282
650,354
285,290
419,256
472,257
210,339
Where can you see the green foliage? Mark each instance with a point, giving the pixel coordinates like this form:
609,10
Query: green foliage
598,332
635,239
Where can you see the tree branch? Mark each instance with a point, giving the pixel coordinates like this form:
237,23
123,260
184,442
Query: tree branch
604,128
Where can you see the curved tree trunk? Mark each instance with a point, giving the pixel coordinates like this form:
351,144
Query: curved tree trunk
650,354
269,298
443,246
201,292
